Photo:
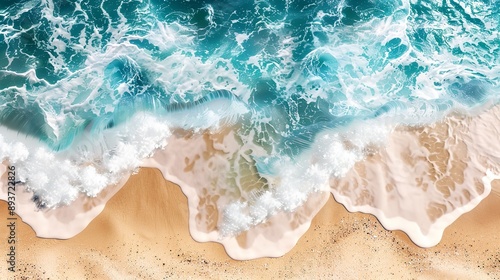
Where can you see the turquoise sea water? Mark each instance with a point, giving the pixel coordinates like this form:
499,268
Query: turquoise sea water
281,71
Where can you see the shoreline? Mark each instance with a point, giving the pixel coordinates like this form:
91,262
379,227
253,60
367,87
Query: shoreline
143,232
144,228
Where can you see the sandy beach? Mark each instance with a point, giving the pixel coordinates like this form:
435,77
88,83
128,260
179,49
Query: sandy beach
143,234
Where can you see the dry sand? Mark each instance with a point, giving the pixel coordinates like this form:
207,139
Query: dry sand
143,234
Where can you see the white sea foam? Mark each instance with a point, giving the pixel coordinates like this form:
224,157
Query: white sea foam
57,178
333,153
65,221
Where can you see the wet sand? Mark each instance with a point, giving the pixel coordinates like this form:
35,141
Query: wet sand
143,233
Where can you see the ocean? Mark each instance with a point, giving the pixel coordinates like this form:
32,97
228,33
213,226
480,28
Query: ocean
256,107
